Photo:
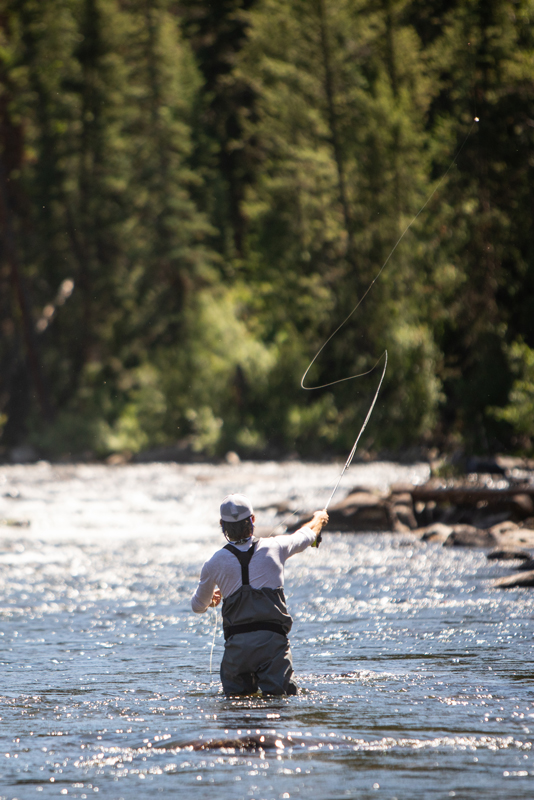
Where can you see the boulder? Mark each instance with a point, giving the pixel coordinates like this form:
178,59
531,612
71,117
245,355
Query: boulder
280,506
402,513
508,554
469,536
526,565
510,463
487,465
516,537
504,528
358,498
438,532
361,511
512,581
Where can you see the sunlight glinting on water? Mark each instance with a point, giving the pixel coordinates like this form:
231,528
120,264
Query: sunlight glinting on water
415,675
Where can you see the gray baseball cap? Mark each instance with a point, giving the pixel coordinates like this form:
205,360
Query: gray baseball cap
235,507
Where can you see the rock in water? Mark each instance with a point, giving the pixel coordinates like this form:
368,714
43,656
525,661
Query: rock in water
508,554
402,513
520,537
526,565
250,742
504,528
438,532
360,511
511,581
469,536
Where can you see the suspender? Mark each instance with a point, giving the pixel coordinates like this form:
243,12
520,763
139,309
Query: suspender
244,560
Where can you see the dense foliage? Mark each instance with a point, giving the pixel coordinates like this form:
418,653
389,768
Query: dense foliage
194,195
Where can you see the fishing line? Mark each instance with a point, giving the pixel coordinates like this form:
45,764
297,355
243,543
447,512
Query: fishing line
358,304
355,445
352,452
379,273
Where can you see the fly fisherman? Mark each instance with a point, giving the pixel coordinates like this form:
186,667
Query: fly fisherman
249,574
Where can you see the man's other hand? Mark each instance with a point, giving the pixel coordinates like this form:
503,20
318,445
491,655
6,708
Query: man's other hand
216,599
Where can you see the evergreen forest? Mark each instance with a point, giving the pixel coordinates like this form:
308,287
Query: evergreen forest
194,195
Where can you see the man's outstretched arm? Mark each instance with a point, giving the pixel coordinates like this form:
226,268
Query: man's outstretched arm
305,536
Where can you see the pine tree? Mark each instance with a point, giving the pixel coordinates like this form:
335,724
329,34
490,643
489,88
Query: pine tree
483,59
21,367
169,230
107,234
342,98
224,150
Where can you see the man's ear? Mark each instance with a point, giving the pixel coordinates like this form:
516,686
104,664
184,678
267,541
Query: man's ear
253,518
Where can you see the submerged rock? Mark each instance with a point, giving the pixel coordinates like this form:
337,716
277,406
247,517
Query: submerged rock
511,581
525,566
508,554
251,742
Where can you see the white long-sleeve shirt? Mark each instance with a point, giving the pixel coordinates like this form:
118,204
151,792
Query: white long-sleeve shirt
266,569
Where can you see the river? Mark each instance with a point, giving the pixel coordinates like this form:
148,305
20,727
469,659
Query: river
416,676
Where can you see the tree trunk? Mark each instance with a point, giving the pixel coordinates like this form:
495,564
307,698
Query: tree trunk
334,130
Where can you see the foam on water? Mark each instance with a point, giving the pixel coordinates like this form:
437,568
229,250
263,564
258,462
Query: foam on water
416,676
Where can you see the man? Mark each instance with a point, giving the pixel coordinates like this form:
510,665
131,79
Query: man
249,574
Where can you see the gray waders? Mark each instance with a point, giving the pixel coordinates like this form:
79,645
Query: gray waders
255,625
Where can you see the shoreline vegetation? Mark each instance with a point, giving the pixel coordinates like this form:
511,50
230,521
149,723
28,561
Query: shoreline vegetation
194,195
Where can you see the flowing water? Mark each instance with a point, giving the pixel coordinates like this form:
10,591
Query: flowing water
416,676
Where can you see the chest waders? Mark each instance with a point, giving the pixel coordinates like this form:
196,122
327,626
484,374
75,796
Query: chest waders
255,625
248,609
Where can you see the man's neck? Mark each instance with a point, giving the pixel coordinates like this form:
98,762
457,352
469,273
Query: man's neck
241,542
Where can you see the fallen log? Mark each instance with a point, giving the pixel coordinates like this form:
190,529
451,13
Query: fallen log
483,504
469,495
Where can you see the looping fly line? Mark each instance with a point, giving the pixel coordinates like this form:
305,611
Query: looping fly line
358,304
